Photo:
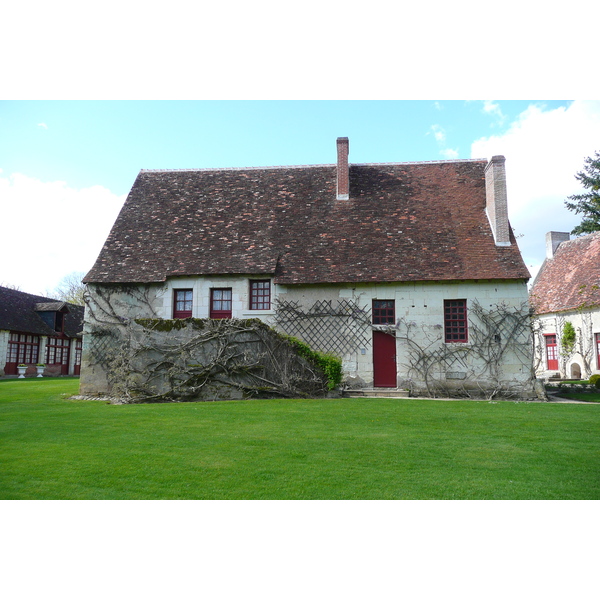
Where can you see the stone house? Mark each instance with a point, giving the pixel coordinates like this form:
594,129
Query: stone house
565,296
408,271
38,330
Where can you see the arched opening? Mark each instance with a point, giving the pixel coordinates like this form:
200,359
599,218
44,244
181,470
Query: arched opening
575,371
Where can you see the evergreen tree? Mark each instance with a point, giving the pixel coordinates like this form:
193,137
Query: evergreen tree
587,204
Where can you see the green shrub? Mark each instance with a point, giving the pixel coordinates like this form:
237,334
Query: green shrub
330,364
568,338
595,380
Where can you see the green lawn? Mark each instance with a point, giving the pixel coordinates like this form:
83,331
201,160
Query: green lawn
583,396
55,448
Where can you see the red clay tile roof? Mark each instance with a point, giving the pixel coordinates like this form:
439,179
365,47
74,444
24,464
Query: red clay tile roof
403,222
571,279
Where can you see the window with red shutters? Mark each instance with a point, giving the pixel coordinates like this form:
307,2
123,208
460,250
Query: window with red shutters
220,303
260,295
597,336
384,312
182,304
456,327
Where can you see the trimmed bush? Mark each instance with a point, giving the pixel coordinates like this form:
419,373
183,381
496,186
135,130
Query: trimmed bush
330,364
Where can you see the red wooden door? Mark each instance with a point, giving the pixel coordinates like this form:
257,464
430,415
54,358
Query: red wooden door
384,359
551,352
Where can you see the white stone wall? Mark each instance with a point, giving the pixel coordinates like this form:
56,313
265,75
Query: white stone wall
421,303
42,354
4,337
586,324
201,286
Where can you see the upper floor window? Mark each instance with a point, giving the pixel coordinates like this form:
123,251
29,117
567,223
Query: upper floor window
59,323
220,303
260,295
455,321
383,312
182,304
53,314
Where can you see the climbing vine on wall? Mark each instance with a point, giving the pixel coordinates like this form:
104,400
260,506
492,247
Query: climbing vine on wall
568,338
157,360
473,369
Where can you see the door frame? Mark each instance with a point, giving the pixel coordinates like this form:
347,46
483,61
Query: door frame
554,352
385,368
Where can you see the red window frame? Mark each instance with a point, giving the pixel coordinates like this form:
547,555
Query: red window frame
384,312
23,348
551,351
456,324
260,294
57,351
597,336
220,303
182,303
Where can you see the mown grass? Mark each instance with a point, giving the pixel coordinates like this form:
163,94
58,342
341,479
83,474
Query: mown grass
52,447
583,396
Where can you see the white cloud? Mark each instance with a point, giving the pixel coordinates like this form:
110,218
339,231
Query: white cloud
43,125
54,230
438,133
544,149
449,153
493,108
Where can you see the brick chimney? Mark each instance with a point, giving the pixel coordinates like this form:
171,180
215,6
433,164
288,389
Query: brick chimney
553,240
496,200
343,169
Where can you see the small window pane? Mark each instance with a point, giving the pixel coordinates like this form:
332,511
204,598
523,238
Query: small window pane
260,295
455,321
383,312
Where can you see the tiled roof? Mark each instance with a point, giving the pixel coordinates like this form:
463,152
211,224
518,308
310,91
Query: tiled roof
571,279
18,313
50,306
403,222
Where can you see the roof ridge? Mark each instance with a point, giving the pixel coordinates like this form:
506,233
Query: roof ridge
417,162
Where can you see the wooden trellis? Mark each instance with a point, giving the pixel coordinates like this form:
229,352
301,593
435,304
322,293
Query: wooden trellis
341,328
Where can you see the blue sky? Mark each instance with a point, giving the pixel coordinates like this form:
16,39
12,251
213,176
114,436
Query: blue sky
67,166
106,143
